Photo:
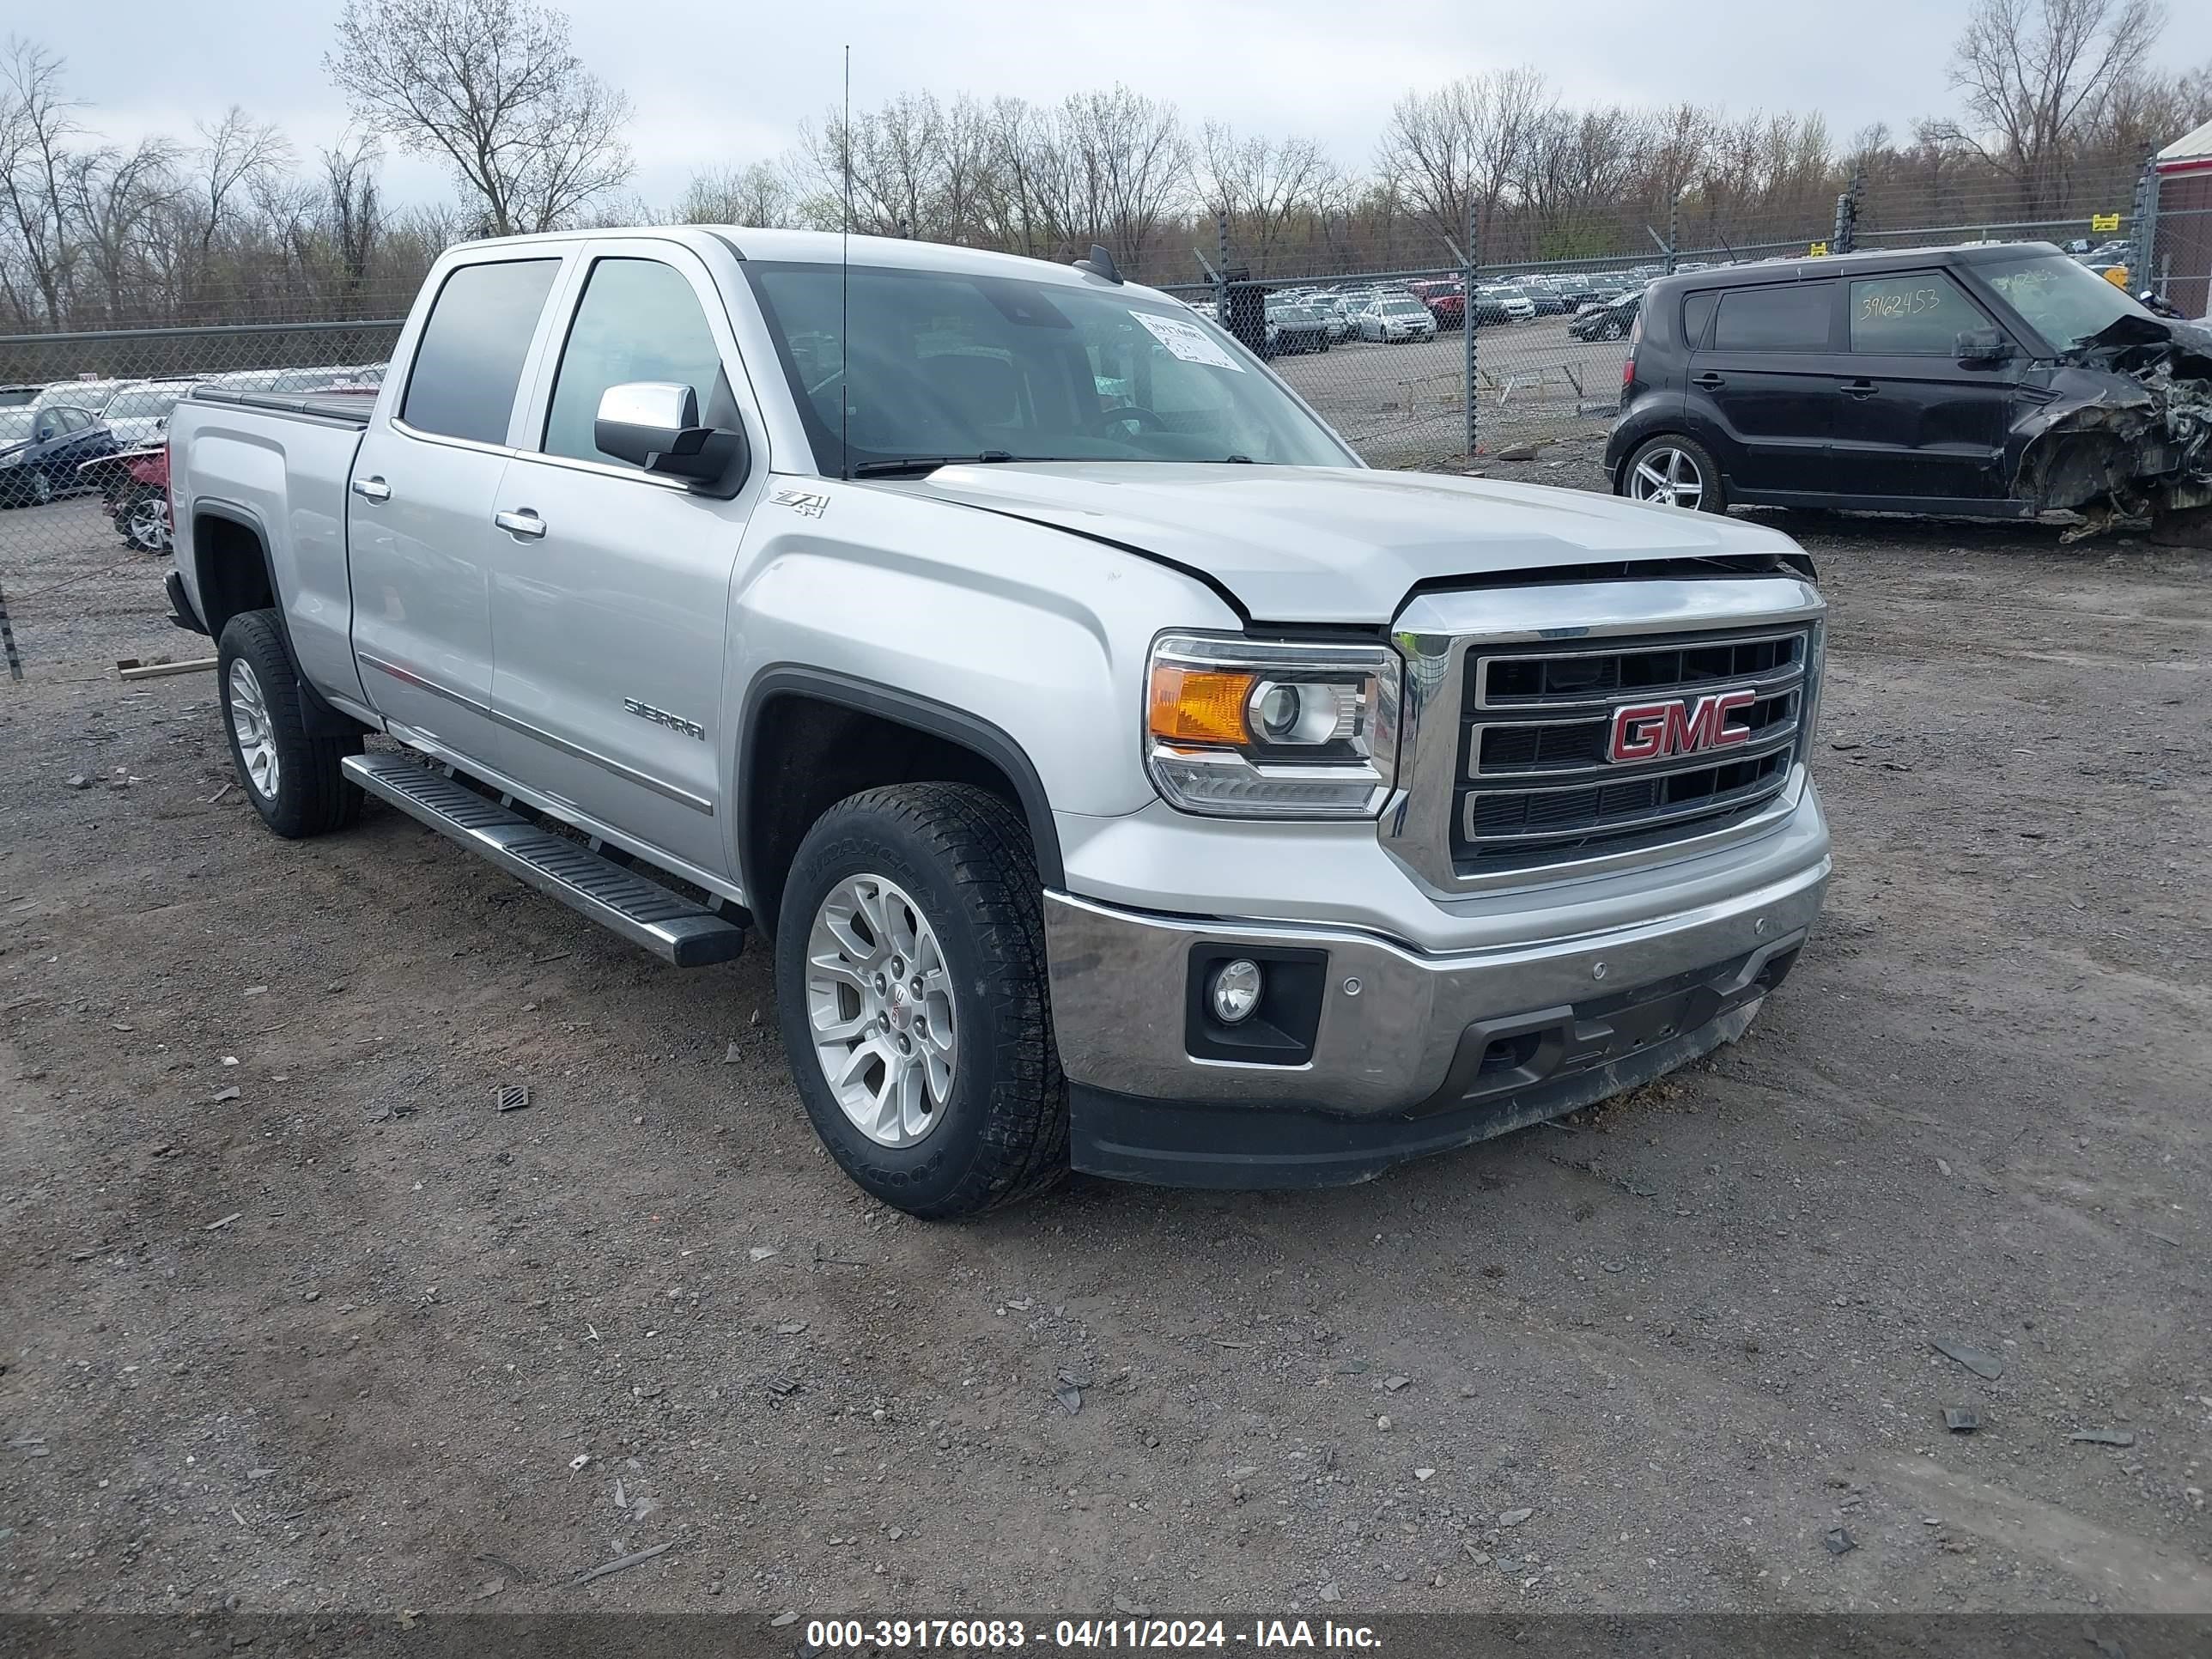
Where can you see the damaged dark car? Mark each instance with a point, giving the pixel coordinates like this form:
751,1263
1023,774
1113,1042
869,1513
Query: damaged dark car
1991,381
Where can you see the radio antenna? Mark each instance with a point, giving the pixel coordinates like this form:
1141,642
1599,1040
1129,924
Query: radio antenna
844,285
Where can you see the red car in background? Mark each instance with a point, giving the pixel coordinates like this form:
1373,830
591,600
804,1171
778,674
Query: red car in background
134,492
1446,300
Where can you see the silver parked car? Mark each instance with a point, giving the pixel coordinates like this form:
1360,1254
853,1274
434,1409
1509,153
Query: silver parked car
139,413
1397,317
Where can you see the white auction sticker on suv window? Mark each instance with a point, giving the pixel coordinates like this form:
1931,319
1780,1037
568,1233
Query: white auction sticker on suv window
1187,340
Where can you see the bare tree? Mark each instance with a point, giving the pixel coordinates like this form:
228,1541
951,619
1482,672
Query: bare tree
116,200
760,194
491,86
2034,74
238,157
36,128
1262,186
353,206
1462,146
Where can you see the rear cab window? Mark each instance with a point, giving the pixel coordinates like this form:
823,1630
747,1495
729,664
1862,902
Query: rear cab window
1797,317
469,361
1913,314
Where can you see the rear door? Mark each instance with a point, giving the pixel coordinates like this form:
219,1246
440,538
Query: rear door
1912,422
419,517
610,607
1764,384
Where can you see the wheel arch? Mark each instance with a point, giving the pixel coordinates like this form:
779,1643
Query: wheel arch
231,567
808,737
233,573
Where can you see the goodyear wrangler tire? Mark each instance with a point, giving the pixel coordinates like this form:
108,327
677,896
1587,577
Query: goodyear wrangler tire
912,998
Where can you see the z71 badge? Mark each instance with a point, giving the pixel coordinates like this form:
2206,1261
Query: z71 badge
645,711
807,503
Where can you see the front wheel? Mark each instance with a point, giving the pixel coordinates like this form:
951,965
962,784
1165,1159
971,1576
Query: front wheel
296,781
1612,332
911,992
1672,471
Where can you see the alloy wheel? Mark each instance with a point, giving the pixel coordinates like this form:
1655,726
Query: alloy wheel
880,1007
257,738
1668,477
146,525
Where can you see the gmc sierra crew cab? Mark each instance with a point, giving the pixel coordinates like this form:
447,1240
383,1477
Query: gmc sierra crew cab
1126,777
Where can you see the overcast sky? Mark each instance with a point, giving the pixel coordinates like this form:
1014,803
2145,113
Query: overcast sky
726,80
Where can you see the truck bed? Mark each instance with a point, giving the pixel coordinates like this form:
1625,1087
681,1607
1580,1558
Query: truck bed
351,407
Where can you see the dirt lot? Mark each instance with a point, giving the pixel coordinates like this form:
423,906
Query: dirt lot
296,1319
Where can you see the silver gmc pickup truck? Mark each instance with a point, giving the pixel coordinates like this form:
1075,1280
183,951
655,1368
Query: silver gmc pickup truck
1126,778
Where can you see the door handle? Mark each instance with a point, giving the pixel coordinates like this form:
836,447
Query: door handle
1709,380
520,522
1858,388
372,490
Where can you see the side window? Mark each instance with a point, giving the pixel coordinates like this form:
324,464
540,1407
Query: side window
638,320
470,361
72,420
1918,313
1697,312
1792,319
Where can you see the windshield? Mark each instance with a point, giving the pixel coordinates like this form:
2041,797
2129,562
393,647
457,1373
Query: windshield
15,425
1404,308
2062,302
954,363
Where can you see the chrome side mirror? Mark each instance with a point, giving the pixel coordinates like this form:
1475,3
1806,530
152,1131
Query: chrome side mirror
654,424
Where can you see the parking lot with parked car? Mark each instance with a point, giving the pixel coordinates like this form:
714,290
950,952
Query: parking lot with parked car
1669,1354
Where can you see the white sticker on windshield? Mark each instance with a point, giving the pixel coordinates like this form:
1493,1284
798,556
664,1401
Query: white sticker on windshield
1188,341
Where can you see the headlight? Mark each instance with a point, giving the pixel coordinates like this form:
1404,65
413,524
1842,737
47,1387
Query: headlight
1249,728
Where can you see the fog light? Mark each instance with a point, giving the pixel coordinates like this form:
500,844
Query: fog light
1236,991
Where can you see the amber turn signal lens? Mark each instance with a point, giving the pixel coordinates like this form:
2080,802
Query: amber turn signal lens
1198,705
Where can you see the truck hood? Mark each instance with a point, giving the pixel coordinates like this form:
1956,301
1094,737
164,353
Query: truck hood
1341,544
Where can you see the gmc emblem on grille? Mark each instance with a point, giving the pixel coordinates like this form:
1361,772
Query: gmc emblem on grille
1682,726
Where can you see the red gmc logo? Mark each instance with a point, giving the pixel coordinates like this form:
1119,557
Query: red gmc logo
1684,725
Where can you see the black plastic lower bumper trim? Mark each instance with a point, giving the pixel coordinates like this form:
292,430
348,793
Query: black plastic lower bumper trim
1169,1143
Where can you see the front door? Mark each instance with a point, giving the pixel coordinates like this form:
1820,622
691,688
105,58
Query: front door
611,587
1912,421
1766,385
419,516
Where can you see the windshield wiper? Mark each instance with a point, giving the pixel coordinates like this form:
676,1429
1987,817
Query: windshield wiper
906,466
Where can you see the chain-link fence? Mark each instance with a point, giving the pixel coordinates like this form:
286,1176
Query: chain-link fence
83,471
1424,349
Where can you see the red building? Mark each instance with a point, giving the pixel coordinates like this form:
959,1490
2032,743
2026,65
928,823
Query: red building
2181,265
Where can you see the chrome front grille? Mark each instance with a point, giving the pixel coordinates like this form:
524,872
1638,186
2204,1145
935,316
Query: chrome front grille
1536,785
1508,774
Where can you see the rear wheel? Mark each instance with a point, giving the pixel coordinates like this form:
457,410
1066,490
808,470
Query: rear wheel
1672,471
295,780
911,991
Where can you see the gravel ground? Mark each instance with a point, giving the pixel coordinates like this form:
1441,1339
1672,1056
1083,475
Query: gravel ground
296,1319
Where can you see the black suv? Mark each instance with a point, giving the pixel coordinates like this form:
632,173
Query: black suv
1994,380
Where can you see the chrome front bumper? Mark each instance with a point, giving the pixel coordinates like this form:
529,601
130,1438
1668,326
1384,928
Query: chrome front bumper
1393,1019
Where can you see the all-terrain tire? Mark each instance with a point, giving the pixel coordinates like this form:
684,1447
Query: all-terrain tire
965,858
